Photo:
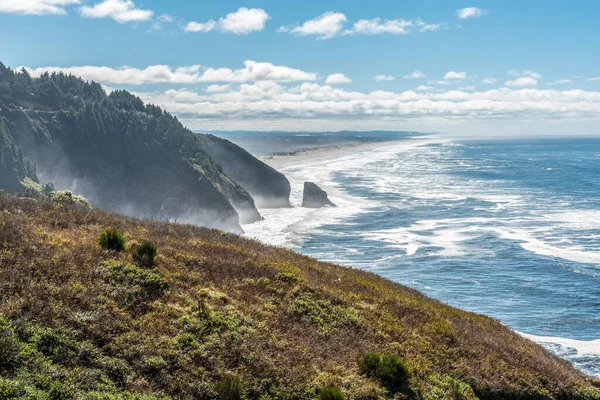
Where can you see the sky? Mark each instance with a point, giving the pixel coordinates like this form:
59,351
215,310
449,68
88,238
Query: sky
465,67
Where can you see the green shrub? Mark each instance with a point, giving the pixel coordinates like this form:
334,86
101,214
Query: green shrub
446,387
9,347
229,388
331,393
53,344
143,254
390,370
112,239
287,277
132,284
67,197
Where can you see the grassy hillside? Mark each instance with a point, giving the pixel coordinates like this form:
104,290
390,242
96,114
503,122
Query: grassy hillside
219,316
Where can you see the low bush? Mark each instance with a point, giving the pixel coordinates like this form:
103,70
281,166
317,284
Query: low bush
132,284
112,239
331,393
287,277
144,253
389,369
229,388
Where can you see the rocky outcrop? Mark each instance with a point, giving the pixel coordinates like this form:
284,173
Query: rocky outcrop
315,197
268,187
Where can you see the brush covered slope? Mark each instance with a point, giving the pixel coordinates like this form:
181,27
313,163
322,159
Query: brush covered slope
121,154
268,187
217,316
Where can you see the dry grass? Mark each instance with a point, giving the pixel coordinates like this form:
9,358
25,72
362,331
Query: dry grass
284,324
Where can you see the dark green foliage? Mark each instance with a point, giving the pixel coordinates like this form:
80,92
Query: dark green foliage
331,393
287,277
133,285
389,369
15,167
112,239
229,388
143,254
47,188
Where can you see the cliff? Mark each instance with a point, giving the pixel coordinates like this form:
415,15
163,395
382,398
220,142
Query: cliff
269,188
121,154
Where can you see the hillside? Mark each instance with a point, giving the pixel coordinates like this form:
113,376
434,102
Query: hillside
118,152
219,316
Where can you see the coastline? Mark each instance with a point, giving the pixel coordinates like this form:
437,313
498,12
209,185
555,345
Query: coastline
281,161
292,228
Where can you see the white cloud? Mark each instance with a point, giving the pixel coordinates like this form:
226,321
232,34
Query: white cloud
325,26
165,18
120,10
467,88
241,22
560,82
330,24
336,79
470,12
35,7
596,78
455,75
489,80
522,82
443,82
424,88
244,21
218,88
376,27
381,78
200,26
529,73
161,21
423,27
252,71
415,75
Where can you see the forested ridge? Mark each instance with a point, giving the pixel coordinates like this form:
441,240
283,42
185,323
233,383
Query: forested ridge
122,154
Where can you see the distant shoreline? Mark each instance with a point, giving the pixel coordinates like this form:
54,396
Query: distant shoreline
279,160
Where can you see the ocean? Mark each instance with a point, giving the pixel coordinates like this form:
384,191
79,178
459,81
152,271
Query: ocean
506,228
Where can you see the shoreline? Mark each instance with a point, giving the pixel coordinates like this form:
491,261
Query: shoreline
281,161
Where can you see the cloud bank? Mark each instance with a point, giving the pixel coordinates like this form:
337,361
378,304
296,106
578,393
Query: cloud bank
252,71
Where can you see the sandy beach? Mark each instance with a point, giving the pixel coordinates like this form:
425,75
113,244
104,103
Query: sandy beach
280,161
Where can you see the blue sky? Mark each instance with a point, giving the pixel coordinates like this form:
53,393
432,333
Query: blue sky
479,66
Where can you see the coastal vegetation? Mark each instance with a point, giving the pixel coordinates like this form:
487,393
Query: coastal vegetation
217,316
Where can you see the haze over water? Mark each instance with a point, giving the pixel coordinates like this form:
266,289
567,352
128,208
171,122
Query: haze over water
510,229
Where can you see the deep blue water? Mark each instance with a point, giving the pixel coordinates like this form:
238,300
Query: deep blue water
510,229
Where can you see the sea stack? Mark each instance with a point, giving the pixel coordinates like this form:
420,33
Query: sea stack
315,197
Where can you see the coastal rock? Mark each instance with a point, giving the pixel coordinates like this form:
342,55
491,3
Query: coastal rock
315,197
268,187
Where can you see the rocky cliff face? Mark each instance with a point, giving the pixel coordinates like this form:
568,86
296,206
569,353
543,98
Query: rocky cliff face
122,155
315,197
269,188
